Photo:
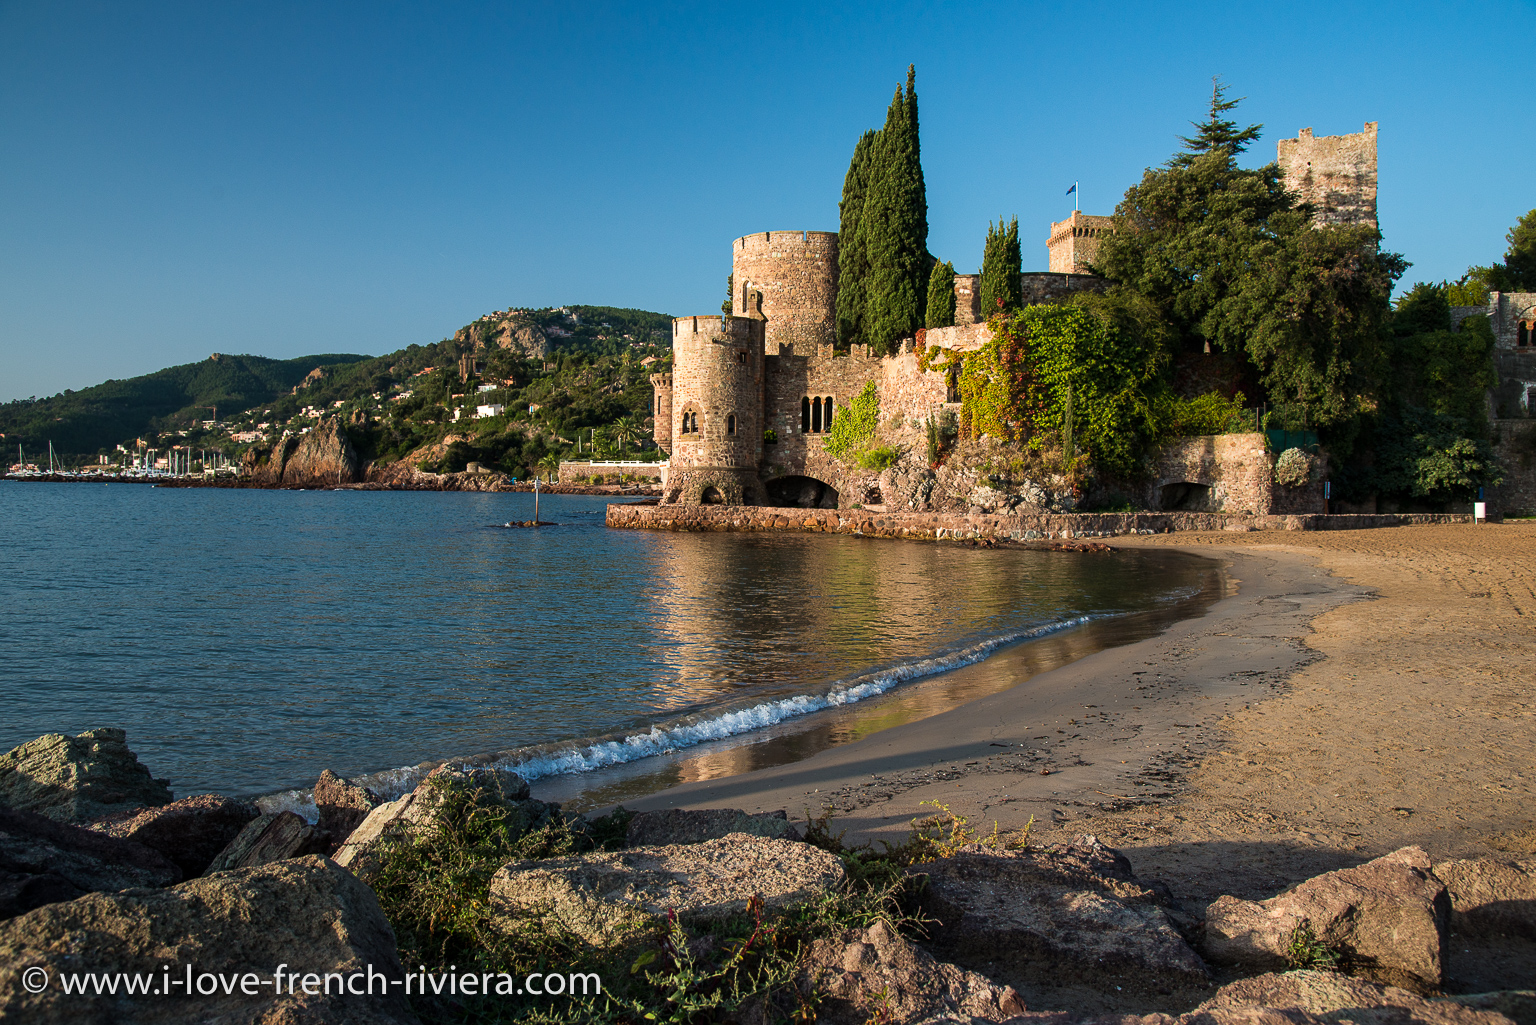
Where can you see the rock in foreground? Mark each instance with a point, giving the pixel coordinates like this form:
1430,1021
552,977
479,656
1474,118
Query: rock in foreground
308,914
78,779
190,832
43,862
605,898
342,804
675,826
1062,925
1324,997
876,975
270,838
1386,918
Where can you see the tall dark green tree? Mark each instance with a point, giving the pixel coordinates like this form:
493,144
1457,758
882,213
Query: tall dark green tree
1233,263
883,234
941,296
895,228
852,264
1001,264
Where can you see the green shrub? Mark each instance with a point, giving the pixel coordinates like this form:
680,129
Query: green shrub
1293,468
854,425
878,458
1208,414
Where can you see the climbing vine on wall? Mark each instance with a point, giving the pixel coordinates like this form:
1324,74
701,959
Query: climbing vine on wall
853,428
1056,372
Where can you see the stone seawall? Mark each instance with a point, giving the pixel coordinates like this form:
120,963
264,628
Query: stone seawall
748,519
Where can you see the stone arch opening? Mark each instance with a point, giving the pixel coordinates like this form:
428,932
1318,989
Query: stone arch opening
805,415
795,492
1184,496
826,412
711,496
689,423
730,424
816,415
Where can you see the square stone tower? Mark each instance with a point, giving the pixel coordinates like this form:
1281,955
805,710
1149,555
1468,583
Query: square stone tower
1334,173
1074,242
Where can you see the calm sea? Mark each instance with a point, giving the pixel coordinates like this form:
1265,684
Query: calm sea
248,639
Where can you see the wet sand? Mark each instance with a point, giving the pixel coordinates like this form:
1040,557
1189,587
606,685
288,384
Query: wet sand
1360,691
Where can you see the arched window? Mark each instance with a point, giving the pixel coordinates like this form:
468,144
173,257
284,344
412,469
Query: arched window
690,422
805,415
730,424
1523,336
826,413
816,415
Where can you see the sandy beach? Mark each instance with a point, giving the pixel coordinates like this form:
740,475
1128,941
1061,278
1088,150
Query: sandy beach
1357,692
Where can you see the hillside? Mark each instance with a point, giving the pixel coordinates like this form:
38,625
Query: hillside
567,360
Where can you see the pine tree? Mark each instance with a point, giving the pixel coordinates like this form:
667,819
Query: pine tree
1216,133
894,229
852,265
941,296
1001,264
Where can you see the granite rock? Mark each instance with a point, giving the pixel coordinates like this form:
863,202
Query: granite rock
1491,899
308,915
343,805
270,838
78,779
43,862
677,826
1387,918
190,832
605,898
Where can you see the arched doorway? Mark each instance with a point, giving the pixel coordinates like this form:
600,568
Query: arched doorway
1184,496
801,493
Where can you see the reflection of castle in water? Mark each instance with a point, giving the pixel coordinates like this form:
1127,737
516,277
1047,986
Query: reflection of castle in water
724,623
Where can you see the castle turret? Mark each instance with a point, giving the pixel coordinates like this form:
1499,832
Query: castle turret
1335,174
661,411
716,410
795,272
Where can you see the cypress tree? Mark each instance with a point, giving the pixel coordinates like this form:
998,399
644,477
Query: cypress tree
941,296
894,229
852,264
1001,264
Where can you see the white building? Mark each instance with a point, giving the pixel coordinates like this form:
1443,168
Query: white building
495,409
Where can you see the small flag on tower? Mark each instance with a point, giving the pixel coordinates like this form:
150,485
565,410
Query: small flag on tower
1072,189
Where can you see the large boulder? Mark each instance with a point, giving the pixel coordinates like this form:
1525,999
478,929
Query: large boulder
43,862
1063,924
675,826
269,838
605,898
306,916
322,458
1305,997
1386,919
444,791
342,804
1491,899
78,779
190,832
876,975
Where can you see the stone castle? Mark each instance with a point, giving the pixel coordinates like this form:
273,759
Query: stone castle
744,412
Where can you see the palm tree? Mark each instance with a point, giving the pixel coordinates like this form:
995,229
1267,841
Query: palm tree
626,429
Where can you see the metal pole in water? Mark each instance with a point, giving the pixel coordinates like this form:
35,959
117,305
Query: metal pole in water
535,501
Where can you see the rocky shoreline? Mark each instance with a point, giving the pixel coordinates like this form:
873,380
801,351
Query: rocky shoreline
103,870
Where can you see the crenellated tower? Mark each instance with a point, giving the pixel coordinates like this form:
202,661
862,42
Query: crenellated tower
715,410
795,273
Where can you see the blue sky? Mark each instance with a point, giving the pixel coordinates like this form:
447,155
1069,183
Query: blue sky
285,179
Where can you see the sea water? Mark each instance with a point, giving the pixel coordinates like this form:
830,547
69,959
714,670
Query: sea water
247,639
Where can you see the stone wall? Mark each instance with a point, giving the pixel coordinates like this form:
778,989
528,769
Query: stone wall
1336,174
610,472
796,274
1514,442
968,299
959,526
1042,286
1074,242
1226,473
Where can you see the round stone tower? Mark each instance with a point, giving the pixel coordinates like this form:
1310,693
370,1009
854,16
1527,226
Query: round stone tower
795,272
661,411
716,413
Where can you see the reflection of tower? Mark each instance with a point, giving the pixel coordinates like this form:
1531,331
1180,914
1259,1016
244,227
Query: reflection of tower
716,410
795,272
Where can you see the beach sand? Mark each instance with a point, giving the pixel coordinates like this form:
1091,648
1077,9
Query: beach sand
1360,691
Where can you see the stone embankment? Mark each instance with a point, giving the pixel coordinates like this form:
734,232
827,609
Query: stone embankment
1028,527
1065,934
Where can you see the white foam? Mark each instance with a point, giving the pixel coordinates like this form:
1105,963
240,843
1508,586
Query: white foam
689,731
